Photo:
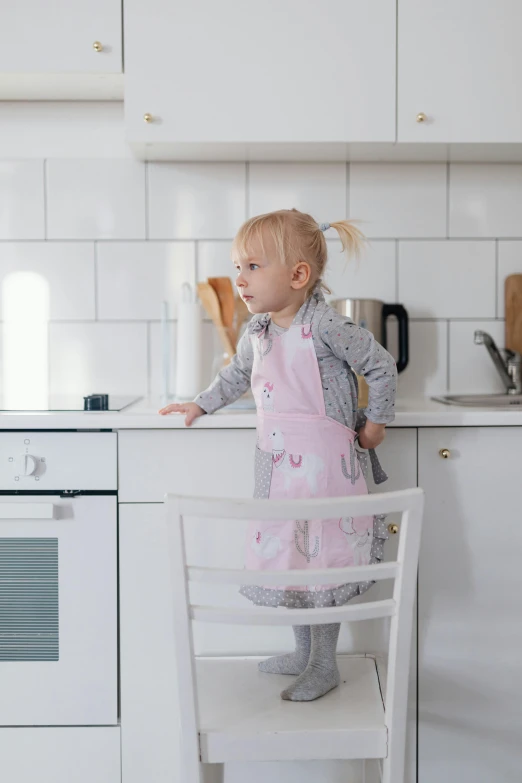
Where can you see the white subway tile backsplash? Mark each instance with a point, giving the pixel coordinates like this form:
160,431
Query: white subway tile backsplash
372,276
399,199
509,263
22,199
157,384
427,371
485,200
135,277
95,199
196,200
471,367
98,358
214,260
67,269
447,279
316,188
106,208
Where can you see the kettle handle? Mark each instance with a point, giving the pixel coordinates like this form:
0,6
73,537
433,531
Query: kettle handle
402,317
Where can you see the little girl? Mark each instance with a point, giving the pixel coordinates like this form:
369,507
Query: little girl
300,358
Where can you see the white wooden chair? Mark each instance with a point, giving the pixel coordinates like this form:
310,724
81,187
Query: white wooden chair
232,712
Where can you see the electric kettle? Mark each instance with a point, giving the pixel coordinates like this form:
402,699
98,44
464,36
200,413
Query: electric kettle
372,314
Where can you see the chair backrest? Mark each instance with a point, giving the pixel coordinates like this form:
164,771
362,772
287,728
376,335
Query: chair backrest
409,503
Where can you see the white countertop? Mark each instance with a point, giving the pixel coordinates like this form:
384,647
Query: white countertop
144,415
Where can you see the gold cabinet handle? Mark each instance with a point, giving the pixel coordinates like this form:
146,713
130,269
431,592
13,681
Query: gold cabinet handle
147,117
421,117
393,529
445,453
97,46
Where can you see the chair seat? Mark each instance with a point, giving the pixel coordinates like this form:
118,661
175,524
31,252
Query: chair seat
243,718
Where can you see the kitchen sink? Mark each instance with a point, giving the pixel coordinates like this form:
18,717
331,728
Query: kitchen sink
504,401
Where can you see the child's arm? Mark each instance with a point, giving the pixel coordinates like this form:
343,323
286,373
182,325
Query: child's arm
361,351
229,384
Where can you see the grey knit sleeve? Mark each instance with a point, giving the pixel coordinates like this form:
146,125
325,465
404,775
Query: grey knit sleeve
232,381
361,351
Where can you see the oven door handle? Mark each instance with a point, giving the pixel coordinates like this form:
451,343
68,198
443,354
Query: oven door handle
27,511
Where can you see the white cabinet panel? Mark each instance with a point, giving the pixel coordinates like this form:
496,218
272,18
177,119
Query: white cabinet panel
250,73
470,615
58,38
61,755
459,63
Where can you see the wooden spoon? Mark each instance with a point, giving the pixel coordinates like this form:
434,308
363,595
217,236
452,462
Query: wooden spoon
210,302
225,293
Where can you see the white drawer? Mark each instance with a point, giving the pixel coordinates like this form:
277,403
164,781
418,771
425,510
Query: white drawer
216,463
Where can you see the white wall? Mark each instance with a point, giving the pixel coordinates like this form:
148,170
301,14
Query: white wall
114,236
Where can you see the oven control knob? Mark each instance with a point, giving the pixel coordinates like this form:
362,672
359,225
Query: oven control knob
28,465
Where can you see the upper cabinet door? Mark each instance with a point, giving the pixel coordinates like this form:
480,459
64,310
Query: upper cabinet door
60,37
460,63
260,72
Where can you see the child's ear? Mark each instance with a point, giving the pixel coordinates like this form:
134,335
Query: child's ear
301,274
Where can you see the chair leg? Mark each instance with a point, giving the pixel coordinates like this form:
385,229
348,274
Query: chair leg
212,773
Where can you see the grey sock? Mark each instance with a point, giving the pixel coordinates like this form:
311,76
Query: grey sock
321,675
291,663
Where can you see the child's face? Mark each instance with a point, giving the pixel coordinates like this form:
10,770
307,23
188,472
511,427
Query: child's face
264,283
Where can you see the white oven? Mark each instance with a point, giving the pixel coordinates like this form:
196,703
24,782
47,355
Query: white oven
58,579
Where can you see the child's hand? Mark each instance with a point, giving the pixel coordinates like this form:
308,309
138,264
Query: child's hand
371,435
191,409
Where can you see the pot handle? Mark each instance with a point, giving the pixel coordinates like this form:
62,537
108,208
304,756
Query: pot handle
402,317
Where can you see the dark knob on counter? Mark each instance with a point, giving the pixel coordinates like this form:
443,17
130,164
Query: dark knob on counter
96,402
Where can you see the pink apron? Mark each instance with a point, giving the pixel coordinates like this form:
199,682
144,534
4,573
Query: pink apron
312,456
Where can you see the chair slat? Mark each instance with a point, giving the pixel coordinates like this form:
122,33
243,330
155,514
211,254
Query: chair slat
367,573
315,508
260,615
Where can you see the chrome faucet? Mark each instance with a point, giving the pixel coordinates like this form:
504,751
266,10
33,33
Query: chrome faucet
509,368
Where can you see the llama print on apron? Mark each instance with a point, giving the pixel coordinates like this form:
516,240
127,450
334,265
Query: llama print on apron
302,453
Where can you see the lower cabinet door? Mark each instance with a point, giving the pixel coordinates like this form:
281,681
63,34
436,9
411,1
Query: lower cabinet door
470,608
60,755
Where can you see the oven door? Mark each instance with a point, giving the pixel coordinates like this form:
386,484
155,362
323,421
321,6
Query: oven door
58,610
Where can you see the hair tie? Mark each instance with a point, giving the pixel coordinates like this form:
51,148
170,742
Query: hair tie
324,226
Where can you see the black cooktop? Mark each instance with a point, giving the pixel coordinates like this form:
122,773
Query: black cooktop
57,403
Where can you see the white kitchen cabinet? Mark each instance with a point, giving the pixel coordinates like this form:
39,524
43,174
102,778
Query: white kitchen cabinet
67,49
459,63
220,463
60,755
238,75
36,37
470,612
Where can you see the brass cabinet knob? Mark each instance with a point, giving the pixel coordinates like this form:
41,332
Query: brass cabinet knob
393,529
97,46
445,453
147,117
421,117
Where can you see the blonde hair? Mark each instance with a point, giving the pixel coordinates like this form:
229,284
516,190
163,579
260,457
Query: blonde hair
297,237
